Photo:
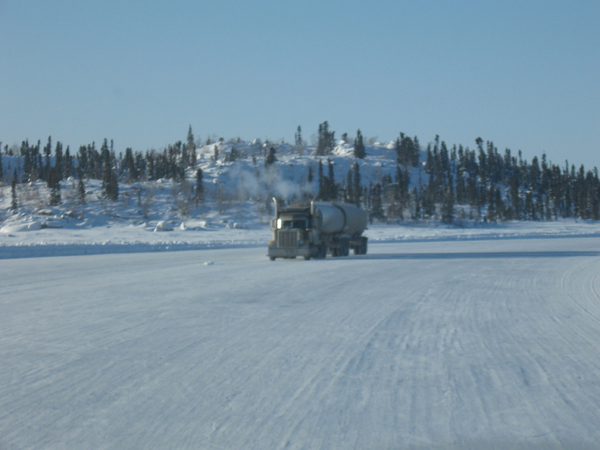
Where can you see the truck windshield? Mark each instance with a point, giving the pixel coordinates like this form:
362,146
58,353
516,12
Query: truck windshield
296,222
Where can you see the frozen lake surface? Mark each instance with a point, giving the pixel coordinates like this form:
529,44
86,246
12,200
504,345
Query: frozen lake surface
444,344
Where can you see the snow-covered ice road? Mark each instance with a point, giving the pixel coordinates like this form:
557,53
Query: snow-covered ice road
476,344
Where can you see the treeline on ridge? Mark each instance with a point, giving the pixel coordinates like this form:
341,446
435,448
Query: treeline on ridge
453,183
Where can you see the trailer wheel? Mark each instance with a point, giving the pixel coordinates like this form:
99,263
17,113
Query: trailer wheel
272,258
361,248
345,247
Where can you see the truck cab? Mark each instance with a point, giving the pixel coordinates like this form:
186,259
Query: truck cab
293,234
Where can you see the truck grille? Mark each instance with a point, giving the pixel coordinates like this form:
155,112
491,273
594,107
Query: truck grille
287,239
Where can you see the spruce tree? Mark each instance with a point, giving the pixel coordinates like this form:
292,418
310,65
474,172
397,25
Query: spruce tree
58,160
191,147
417,202
416,152
110,185
359,146
331,187
349,188
132,174
321,193
357,186
14,205
400,157
448,204
1,168
80,187
199,195
184,161
326,140
68,169
270,157
82,162
47,153
27,164
376,202
54,185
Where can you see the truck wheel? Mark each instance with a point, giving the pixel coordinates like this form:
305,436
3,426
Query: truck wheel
307,258
345,250
322,250
272,258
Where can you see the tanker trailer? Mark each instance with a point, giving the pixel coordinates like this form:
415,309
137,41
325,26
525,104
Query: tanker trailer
314,229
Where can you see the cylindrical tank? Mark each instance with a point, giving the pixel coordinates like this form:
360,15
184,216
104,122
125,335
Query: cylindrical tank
340,218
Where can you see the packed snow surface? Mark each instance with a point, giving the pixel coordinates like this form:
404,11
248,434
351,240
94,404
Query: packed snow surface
443,343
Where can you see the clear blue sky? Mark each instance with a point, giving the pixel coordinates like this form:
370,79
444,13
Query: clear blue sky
524,74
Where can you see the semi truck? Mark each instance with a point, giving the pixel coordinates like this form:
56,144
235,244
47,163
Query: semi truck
315,229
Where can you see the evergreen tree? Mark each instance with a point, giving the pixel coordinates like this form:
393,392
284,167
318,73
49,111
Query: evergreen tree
461,190
417,202
27,164
80,187
448,205
54,186
58,160
1,168
82,162
326,140
47,153
398,149
191,147
376,202
415,148
132,173
140,166
331,187
357,184
184,160
298,137
270,157
349,188
110,185
199,194
68,169
321,193
14,205
359,146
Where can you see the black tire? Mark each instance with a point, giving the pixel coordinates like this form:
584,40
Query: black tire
272,258
345,247
323,250
307,258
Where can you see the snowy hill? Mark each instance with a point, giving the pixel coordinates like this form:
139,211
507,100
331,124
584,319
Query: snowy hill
162,214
